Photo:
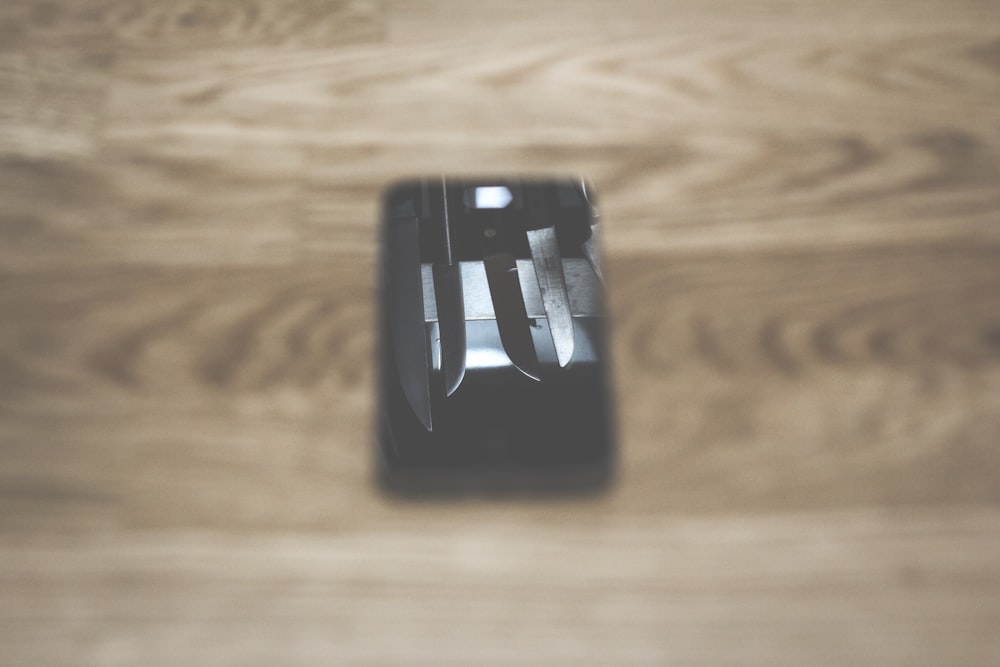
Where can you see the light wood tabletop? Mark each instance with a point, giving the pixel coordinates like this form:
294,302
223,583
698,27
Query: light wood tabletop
801,210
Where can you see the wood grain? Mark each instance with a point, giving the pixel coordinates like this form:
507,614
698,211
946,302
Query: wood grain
801,207
708,591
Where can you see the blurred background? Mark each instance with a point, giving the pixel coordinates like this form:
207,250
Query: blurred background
801,209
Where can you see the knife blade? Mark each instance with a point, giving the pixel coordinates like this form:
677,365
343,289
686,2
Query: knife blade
592,253
590,247
406,314
505,292
544,245
450,307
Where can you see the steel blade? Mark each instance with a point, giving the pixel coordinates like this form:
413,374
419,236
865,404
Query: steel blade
552,284
406,315
512,317
591,249
592,252
448,295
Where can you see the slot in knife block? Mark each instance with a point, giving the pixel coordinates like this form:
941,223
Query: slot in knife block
493,352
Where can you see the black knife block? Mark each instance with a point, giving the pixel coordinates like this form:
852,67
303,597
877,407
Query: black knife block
500,430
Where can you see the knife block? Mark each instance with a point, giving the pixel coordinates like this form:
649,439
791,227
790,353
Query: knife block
534,424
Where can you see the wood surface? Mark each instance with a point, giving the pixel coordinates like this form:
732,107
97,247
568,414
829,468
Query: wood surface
801,203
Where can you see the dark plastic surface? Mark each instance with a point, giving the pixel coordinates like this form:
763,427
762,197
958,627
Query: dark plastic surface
500,430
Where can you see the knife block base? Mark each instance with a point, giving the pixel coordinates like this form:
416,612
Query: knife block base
501,430
448,266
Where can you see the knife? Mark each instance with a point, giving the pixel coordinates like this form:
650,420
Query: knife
406,314
590,246
505,292
545,255
591,252
450,307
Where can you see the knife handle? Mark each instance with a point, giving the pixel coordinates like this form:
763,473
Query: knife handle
433,240
498,233
537,206
558,205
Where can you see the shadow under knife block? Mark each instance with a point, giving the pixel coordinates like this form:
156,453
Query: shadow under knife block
493,350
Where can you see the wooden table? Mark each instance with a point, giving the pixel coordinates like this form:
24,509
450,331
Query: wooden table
802,213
